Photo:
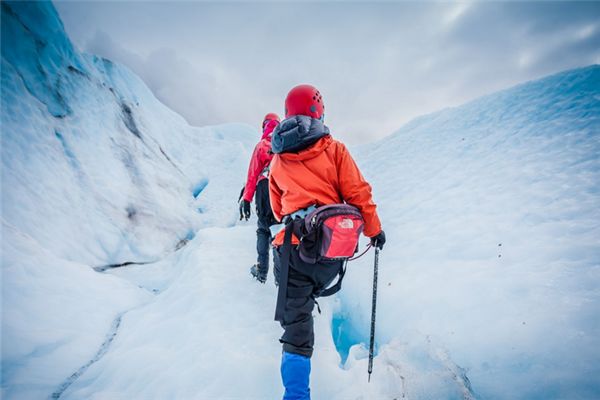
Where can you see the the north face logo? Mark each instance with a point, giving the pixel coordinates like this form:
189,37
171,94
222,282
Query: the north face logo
346,223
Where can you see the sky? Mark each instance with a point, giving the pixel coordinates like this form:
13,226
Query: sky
377,64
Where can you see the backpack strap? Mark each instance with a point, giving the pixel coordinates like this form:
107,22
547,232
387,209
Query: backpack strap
284,266
284,271
338,285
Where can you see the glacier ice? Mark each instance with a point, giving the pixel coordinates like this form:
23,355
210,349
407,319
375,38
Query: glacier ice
489,282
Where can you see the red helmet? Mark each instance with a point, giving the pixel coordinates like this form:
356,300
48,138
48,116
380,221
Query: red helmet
304,100
270,117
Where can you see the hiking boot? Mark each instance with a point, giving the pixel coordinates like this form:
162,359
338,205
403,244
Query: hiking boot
256,272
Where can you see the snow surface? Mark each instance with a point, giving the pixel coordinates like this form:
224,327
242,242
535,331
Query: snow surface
489,283
492,212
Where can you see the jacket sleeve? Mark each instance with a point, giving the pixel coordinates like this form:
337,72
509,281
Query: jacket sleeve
275,192
254,170
356,191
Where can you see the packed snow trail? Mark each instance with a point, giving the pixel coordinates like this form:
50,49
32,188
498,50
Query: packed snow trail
112,333
165,346
101,352
211,324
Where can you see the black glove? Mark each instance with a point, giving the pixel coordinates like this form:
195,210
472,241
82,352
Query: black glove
244,209
242,193
379,240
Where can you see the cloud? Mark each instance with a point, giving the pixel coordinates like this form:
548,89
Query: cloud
455,13
189,89
377,64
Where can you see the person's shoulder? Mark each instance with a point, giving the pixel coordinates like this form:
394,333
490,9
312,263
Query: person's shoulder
337,143
264,144
275,160
337,146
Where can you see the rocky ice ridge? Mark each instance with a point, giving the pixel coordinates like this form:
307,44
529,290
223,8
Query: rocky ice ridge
87,136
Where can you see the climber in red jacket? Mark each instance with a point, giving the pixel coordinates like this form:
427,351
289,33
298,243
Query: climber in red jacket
257,186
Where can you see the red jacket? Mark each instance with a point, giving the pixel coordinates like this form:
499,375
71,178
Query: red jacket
322,174
259,163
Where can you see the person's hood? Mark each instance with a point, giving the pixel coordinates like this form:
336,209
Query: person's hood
310,152
297,133
269,128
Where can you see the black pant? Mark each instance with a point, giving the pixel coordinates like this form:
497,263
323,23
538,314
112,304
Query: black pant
304,282
265,220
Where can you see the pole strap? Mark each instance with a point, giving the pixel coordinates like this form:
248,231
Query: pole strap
361,254
337,286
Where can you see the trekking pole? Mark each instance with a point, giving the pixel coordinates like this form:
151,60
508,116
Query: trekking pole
372,340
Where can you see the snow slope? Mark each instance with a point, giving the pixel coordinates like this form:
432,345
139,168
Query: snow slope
95,172
492,212
489,283
87,136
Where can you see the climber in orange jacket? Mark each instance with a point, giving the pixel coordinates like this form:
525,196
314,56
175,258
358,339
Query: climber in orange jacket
324,173
310,169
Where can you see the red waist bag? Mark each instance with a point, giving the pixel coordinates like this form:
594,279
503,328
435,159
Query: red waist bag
327,233
330,232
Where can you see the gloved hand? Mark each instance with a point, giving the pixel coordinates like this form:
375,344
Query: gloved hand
244,209
379,240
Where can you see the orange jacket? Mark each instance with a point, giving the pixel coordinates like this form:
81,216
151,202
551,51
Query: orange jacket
322,174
